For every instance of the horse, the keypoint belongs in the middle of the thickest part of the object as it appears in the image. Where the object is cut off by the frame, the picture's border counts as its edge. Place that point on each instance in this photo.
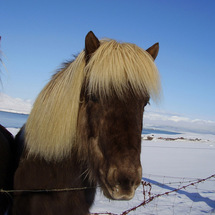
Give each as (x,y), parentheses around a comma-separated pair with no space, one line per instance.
(6,165)
(84,130)
(6,168)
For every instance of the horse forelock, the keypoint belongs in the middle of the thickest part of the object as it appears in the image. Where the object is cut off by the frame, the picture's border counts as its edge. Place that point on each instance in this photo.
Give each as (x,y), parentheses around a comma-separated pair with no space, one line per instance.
(114,68)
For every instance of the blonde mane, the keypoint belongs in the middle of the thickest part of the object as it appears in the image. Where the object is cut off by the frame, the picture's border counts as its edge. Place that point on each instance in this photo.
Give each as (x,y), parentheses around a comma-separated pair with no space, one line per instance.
(114,67)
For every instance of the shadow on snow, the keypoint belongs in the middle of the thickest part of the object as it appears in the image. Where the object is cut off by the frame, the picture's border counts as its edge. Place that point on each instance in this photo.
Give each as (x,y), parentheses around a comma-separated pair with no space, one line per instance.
(195,197)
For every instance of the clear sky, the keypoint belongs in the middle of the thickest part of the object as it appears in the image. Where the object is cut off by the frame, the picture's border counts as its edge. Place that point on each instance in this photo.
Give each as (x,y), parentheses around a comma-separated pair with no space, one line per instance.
(39,35)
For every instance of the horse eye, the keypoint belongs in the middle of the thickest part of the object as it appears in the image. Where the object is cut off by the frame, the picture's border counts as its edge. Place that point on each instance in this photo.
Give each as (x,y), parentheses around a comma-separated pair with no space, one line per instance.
(146,103)
(93,98)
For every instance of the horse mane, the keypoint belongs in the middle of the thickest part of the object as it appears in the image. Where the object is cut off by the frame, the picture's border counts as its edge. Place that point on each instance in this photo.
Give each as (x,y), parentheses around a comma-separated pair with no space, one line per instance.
(114,68)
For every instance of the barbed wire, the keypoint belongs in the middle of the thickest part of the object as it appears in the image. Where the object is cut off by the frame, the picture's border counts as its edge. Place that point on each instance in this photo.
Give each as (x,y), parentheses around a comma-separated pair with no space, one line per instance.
(46,190)
(155,196)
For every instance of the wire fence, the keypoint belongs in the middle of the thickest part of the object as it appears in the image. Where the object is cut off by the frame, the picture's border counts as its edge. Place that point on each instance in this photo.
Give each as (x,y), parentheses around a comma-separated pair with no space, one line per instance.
(165,195)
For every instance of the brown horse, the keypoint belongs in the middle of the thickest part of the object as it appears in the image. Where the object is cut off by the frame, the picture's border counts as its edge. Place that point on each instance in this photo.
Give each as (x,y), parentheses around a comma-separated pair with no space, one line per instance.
(6,167)
(85,128)
(6,164)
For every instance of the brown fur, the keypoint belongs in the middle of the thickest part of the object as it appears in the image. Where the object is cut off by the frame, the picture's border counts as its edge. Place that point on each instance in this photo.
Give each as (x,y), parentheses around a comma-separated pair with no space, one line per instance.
(107,142)
(6,167)
(42,175)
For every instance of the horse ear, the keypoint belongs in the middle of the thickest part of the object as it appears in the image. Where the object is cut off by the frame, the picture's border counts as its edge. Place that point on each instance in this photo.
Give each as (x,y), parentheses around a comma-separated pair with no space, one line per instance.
(91,44)
(153,50)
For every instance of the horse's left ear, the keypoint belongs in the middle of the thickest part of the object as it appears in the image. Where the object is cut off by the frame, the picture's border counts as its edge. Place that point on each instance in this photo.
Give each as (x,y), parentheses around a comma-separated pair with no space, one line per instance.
(153,50)
(91,44)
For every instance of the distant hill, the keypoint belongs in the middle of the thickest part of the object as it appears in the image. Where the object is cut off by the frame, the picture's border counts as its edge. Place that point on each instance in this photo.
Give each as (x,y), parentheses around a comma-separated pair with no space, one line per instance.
(15,105)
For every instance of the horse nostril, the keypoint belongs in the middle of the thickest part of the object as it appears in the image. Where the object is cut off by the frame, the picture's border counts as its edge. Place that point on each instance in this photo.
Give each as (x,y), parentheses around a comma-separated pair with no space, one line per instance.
(123,178)
(125,183)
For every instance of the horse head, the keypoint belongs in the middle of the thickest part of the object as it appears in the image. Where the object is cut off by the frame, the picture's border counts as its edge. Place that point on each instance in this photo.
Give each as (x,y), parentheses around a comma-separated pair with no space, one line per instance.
(110,127)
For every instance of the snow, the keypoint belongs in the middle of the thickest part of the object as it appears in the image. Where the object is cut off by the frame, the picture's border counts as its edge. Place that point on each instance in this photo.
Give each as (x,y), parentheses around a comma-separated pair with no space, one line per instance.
(13,131)
(169,161)
(180,157)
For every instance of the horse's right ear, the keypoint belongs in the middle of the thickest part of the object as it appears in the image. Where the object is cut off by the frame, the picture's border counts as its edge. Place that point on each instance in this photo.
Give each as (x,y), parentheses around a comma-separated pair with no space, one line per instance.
(91,44)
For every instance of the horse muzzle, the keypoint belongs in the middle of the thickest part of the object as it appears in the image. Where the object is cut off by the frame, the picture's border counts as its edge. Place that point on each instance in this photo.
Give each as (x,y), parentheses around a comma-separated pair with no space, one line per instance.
(120,184)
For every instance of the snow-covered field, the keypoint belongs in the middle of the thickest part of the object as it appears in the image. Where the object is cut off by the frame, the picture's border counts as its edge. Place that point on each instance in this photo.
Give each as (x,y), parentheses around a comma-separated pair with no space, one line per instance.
(170,162)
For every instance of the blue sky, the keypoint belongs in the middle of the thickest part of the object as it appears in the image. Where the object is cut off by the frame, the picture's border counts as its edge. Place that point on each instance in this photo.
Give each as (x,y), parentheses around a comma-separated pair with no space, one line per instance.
(39,35)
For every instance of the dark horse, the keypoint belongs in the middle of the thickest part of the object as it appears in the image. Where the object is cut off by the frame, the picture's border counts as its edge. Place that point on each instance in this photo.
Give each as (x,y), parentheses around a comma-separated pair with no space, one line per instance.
(85,128)
(6,168)
(6,165)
